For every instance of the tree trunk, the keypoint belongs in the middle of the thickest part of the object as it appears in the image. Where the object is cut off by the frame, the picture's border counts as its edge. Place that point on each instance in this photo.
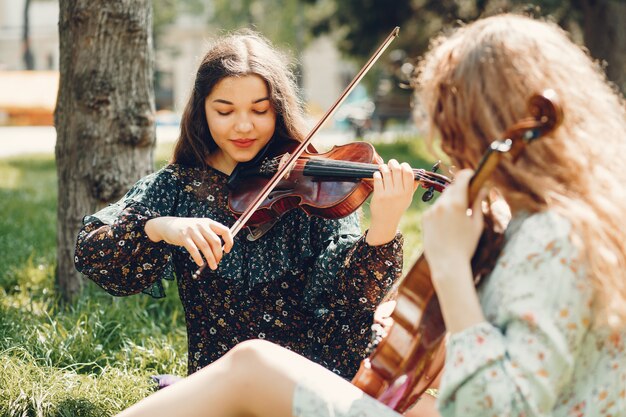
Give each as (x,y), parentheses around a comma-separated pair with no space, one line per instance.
(104,116)
(605,36)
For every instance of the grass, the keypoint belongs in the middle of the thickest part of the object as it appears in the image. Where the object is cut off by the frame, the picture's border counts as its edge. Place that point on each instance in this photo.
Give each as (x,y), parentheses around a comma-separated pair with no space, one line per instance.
(93,358)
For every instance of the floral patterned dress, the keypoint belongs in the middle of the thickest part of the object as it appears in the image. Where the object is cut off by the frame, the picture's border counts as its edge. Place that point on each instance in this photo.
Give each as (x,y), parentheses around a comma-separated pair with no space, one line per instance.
(309,284)
(541,351)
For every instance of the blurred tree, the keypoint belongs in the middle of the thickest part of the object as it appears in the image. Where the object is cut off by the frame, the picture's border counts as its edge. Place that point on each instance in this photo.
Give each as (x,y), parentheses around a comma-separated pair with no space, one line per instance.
(284,22)
(359,24)
(281,21)
(604,29)
(104,115)
(165,13)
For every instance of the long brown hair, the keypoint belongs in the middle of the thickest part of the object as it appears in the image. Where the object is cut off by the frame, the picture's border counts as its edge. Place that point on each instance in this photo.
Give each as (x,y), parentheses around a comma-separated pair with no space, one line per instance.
(242,53)
(475,84)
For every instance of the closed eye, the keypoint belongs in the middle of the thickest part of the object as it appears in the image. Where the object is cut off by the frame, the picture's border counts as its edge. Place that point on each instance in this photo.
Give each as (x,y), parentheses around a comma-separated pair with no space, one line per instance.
(259,111)
(224,113)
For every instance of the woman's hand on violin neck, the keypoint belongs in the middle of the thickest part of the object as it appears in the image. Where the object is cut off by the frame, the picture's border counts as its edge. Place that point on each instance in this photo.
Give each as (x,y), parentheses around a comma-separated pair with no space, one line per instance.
(394,186)
(451,231)
(451,234)
(200,236)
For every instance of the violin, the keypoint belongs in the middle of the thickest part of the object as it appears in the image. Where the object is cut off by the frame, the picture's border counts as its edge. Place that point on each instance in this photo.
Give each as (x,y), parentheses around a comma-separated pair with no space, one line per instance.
(330,185)
(411,354)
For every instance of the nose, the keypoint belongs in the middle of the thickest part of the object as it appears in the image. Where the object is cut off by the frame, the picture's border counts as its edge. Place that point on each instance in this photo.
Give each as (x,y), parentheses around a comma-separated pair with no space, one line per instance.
(243,124)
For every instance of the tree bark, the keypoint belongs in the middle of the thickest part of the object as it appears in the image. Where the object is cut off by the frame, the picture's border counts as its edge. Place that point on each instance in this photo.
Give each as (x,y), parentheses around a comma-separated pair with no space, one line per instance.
(605,35)
(104,116)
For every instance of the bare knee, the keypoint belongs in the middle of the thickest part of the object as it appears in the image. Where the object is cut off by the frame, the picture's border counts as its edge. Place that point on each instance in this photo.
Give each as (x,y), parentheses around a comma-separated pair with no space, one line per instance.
(242,363)
(251,355)
(255,369)
(244,369)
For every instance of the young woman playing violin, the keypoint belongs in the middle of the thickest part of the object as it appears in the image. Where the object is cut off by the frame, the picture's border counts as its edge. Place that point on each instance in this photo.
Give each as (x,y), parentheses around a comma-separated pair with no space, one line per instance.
(308,284)
(545,332)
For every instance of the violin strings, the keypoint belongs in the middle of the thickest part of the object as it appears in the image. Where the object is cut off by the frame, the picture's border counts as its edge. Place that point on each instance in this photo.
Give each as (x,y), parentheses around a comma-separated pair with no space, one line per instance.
(316,167)
(352,170)
(320,167)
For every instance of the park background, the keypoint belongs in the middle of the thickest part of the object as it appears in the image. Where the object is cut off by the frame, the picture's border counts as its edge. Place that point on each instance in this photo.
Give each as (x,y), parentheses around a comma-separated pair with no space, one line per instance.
(66,347)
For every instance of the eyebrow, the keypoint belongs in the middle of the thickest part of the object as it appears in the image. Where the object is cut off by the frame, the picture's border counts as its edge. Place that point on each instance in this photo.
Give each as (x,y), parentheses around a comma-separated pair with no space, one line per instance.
(219,100)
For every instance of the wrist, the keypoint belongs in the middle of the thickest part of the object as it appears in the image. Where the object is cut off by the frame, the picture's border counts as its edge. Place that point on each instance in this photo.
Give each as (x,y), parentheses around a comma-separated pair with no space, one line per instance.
(448,266)
(457,296)
(377,236)
(152,229)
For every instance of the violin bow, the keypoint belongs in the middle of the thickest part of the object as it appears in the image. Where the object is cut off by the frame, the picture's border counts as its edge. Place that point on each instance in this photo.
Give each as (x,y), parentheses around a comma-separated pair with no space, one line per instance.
(288,163)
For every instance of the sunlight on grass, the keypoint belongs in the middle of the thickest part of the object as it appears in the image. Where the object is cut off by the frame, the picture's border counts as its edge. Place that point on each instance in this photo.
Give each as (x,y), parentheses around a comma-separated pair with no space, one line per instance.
(90,359)
(10,177)
(33,390)
(28,221)
(27,284)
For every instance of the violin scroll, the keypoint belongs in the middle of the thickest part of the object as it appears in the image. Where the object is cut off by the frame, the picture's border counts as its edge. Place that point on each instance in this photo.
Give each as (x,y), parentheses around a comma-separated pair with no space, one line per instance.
(546,115)
(546,109)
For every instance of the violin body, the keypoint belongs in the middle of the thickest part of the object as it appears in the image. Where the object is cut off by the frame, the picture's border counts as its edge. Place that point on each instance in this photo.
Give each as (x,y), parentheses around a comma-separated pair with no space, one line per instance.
(328,197)
(411,355)
(329,185)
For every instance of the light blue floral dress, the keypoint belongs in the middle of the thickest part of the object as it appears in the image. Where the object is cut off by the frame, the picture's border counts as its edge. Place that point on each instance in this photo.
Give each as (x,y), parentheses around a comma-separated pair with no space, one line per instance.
(540,353)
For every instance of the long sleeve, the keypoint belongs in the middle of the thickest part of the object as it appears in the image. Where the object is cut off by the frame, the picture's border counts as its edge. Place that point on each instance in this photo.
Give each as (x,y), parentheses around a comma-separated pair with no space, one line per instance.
(113,249)
(348,273)
(120,257)
(537,302)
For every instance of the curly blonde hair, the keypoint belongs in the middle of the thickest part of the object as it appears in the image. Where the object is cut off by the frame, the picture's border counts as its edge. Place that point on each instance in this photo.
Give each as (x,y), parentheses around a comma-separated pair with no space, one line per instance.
(475,83)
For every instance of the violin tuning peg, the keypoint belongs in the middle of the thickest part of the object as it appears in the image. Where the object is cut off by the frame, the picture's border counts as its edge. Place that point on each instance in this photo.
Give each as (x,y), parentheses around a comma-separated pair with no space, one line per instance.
(428,195)
(436,167)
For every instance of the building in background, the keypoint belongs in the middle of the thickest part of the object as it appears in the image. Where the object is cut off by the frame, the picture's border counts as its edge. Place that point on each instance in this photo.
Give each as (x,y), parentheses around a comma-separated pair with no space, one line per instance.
(43,34)
(28,97)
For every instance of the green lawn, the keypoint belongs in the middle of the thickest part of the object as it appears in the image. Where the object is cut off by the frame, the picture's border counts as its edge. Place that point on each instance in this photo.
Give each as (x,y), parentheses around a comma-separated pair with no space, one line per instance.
(93,358)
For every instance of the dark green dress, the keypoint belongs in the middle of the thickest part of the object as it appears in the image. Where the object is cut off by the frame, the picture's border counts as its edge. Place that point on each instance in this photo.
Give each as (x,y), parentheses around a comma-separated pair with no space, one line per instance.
(309,284)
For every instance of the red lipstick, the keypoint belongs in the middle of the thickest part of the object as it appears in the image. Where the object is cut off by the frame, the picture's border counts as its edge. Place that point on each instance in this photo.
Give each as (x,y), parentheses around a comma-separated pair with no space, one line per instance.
(243,143)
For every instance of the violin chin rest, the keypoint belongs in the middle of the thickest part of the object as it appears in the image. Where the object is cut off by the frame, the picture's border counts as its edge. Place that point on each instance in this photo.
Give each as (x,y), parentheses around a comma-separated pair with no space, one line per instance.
(255,232)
